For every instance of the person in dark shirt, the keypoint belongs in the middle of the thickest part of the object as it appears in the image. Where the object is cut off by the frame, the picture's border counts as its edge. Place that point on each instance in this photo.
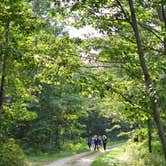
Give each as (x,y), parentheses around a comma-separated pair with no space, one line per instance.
(89,142)
(104,139)
(96,143)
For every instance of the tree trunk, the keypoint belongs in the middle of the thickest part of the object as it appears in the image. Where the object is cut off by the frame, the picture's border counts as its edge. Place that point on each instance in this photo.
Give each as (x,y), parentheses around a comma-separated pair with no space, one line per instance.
(149,136)
(162,17)
(4,61)
(148,81)
(164,20)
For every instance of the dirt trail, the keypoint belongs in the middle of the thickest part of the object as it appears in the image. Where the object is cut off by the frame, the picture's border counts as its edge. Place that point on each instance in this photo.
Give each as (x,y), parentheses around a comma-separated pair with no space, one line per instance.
(86,160)
(83,159)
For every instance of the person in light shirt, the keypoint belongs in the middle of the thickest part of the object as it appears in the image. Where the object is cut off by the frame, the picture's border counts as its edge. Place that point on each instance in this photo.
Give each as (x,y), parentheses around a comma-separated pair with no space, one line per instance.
(104,139)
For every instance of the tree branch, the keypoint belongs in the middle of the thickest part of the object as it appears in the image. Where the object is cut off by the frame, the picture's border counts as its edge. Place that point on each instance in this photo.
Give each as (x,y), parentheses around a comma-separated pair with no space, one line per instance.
(123,11)
(150,30)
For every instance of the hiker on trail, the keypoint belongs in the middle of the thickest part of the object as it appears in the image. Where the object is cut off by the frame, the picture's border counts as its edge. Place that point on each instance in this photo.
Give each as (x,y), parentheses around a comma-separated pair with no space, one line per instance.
(92,143)
(96,142)
(89,142)
(100,141)
(104,139)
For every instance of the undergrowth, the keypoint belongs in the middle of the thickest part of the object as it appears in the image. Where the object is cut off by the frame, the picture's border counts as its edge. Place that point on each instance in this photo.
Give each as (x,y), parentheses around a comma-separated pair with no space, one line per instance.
(133,153)
(139,155)
(68,149)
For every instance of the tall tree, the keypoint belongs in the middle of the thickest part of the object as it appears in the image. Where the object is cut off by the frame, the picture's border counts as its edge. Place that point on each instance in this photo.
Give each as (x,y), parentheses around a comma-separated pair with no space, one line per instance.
(148,81)
(16,23)
(120,17)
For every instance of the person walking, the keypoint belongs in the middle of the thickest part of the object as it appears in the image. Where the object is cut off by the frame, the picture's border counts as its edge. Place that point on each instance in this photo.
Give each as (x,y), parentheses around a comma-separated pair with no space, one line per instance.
(89,143)
(96,143)
(100,141)
(104,139)
(92,143)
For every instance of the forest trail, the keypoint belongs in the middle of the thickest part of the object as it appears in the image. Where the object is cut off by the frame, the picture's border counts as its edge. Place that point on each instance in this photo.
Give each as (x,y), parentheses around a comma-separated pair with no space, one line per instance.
(83,159)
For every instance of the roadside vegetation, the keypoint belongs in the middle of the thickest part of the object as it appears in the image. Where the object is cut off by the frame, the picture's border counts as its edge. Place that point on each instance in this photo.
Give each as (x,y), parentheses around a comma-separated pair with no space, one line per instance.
(56,89)
(132,153)
(68,149)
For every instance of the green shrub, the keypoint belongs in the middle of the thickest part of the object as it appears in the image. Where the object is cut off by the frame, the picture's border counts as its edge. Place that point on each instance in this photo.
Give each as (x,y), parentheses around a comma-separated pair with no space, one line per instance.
(68,146)
(138,154)
(77,147)
(11,154)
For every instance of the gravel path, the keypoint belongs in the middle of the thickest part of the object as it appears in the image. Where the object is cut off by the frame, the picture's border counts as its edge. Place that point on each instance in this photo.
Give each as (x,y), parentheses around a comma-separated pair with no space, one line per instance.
(86,160)
(83,159)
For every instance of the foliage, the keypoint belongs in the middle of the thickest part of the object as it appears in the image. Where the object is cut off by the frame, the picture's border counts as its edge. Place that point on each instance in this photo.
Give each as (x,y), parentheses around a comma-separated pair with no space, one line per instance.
(54,88)
(138,154)
(129,30)
(40,77)
(115,157)
(11,154)
(44,158)
(75,147)
(132,154)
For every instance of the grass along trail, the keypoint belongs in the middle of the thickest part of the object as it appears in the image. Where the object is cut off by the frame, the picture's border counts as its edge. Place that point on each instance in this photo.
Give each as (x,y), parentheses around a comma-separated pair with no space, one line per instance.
(115,157)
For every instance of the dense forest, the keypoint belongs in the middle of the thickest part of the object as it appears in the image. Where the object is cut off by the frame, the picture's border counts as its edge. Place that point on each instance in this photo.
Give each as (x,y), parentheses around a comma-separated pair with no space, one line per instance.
(55,88)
